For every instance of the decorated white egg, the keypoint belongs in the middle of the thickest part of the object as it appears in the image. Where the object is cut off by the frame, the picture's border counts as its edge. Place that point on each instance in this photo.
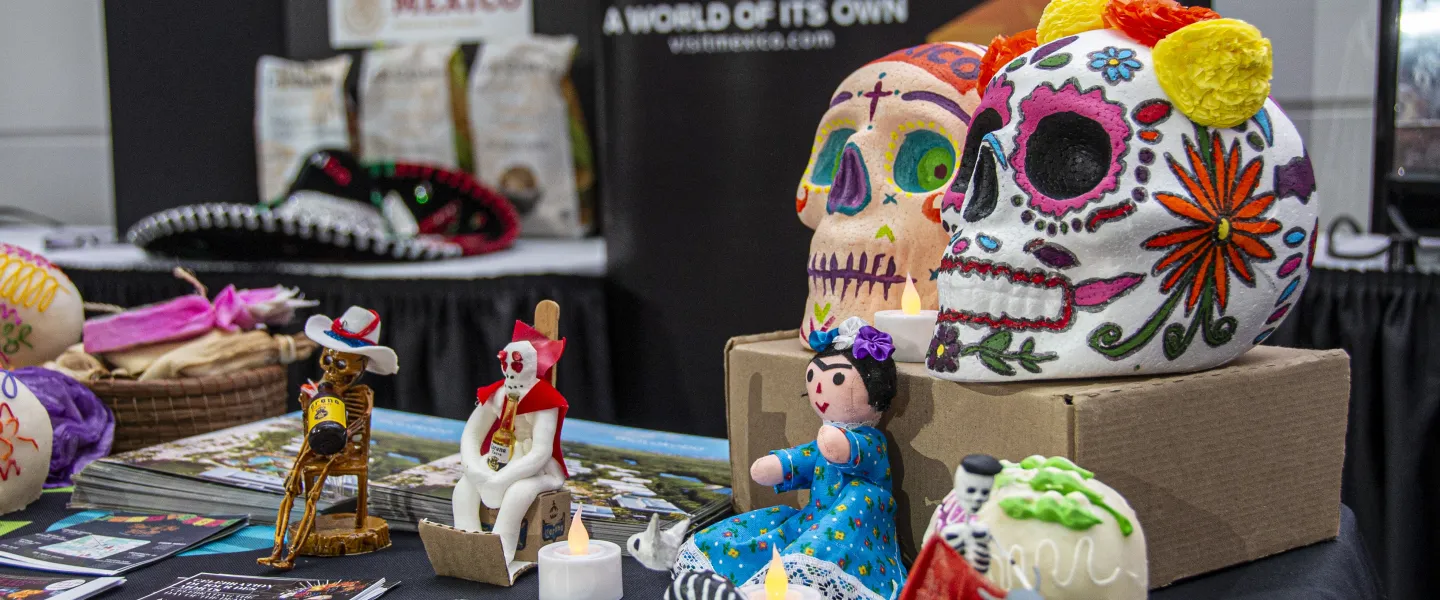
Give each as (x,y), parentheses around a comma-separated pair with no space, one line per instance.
(25,442)
(41,312)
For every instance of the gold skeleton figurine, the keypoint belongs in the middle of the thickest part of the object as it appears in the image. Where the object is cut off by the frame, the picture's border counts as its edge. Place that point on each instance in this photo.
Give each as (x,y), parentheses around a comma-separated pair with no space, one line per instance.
(344,533)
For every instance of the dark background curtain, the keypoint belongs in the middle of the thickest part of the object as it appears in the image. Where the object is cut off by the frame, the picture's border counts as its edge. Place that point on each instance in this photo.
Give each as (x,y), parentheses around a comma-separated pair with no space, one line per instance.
(445,332)
(1390,325)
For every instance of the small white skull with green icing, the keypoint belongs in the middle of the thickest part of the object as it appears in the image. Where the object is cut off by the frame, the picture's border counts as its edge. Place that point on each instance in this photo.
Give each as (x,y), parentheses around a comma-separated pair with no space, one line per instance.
(1082,536)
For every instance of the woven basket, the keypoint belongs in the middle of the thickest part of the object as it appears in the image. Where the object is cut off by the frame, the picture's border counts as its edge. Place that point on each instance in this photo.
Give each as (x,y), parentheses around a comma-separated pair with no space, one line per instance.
(154,412)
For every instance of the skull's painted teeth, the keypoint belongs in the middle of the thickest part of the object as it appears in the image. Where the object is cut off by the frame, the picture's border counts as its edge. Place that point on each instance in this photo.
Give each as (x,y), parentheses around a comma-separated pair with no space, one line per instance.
(826,273)
(1000,296)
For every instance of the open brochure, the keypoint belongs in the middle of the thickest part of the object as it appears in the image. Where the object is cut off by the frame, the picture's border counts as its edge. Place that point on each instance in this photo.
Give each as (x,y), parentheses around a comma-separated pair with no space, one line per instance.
(42,587)
(115,543)
(213,586)
(618,475)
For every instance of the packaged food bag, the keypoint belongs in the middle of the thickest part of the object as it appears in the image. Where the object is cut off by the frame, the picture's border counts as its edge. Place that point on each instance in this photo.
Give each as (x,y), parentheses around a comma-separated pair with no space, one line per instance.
(299,108)
(521,131)
(406,106)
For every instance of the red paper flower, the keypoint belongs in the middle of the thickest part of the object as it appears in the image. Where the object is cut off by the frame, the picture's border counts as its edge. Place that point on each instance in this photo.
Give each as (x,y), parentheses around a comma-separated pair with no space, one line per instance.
(1002,50)
(1149,21)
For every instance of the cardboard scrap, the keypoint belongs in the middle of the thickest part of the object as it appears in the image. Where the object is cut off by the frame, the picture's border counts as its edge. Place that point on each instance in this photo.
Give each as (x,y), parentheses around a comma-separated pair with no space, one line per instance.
(478,556)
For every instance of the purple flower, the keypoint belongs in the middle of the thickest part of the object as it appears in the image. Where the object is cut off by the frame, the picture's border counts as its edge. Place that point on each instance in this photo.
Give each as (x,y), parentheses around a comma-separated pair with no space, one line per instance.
(874,343)
(944,349)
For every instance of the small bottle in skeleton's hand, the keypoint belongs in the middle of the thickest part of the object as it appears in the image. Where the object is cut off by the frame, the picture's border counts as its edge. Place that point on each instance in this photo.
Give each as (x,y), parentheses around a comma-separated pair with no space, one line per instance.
(502,444)
(326,417)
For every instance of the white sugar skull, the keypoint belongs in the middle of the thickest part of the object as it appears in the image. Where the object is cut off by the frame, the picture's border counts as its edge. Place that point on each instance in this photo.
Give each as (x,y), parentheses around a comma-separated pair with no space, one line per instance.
(1098,231)
(25,443)
(518,362)
(883,154)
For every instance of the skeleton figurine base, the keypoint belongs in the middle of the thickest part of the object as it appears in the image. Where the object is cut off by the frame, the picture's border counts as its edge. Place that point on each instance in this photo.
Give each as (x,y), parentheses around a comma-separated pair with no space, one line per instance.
(337,442)
(512,460)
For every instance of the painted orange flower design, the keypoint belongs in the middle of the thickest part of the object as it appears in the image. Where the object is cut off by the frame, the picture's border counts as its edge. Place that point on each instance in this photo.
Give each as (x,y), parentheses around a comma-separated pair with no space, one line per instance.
(1227,224)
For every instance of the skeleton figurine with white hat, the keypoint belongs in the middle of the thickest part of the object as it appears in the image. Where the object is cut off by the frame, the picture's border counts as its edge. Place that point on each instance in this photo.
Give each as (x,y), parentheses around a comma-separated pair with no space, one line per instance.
(337,441)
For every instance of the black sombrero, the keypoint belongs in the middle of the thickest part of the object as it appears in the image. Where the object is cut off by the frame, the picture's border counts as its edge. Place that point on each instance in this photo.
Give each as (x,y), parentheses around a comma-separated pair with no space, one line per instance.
(334,211)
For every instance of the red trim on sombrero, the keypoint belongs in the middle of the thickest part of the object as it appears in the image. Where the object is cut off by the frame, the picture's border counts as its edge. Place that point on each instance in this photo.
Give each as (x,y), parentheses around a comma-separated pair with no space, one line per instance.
(337,327)
(465,183)
(957,66)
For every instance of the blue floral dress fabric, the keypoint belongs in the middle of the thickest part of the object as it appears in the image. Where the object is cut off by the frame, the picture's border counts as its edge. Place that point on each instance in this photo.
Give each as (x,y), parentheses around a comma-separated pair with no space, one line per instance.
(849,522)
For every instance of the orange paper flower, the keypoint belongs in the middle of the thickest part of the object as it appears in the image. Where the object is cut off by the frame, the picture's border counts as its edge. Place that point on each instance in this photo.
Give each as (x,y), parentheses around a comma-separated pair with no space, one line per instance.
(1149,21)
(1002,50)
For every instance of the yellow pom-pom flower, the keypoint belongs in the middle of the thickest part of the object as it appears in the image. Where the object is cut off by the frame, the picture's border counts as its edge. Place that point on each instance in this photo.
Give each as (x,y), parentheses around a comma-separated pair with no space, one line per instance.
(1216,72)
(1069,17)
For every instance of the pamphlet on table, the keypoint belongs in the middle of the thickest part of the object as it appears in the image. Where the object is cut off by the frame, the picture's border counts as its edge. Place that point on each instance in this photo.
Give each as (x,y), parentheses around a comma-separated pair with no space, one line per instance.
(115,543)
(213,586)
(42,587)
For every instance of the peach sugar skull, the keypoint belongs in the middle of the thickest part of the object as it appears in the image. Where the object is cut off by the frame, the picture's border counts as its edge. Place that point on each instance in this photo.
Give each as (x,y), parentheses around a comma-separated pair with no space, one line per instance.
(1122,208)
(883,154)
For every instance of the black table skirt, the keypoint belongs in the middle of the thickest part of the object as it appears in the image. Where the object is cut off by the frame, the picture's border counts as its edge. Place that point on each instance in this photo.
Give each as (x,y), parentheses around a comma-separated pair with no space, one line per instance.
(1390,325)
(445,331)
(1329,570)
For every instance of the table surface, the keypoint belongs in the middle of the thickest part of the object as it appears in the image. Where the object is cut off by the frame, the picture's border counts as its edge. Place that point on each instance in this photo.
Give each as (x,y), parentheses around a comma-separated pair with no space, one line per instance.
(585,257)
(1336,569)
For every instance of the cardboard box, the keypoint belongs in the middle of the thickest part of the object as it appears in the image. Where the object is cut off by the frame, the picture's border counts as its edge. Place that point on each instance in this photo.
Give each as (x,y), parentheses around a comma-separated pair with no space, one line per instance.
(1222,466)
(479,557)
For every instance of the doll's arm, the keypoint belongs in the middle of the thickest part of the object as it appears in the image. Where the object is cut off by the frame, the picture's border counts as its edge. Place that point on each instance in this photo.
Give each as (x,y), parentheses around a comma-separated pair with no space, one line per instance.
(862,453)
(797,466)
(476,428)
(541,449)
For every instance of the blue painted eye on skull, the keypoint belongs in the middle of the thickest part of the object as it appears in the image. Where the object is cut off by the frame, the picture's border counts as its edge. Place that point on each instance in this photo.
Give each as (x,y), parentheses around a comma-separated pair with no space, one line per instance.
(827,162)
(924,162)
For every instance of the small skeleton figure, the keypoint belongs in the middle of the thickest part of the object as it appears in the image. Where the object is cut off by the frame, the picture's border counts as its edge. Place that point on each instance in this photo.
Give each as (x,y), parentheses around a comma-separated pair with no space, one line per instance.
(954,519)
(337,441)
(511,444)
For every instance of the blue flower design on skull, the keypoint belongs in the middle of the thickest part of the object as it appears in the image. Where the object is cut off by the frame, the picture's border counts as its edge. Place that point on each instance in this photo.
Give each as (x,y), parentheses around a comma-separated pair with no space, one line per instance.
(1116,64)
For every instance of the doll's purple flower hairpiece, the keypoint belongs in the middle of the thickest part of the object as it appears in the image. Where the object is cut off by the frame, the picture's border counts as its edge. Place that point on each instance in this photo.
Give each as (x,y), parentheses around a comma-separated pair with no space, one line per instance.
(873,343)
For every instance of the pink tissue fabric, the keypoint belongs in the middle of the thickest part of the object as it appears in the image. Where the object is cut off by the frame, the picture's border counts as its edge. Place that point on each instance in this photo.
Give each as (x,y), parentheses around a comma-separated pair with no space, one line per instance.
(180,319)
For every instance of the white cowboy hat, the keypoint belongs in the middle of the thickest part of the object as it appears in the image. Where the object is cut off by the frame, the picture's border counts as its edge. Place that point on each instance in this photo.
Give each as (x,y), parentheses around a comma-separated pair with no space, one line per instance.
(356,332)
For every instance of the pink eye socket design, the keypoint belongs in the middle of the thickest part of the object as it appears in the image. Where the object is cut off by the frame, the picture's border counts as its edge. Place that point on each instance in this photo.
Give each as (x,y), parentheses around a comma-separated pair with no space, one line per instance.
(1069,147)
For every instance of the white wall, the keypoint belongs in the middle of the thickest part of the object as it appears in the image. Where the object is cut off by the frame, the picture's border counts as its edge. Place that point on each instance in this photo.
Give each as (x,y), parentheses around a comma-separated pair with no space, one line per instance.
(54,113)
(1325,57)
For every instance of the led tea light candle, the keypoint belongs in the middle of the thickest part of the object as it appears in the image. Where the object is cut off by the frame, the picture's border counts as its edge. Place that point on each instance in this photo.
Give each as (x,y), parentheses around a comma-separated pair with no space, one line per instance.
(776,587)
(580,568)
(910,327)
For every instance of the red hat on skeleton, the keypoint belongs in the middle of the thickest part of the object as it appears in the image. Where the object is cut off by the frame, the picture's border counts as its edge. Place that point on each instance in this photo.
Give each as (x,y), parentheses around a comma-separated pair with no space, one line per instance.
(547,351)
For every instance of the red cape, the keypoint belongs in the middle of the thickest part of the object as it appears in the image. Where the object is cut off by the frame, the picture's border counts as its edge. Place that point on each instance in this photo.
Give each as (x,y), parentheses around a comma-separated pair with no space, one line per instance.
(541,397)
(940,573)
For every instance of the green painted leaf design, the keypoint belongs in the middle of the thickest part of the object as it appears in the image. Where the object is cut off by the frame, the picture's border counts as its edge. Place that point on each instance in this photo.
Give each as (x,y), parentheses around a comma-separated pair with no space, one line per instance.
(998,341)
(1029,366)
(1054,61)
(1015,64)
(1027,346)
(996,365)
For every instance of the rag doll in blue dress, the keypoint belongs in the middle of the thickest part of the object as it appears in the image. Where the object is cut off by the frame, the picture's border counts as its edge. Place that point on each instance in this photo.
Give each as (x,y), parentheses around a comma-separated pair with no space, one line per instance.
(842,542)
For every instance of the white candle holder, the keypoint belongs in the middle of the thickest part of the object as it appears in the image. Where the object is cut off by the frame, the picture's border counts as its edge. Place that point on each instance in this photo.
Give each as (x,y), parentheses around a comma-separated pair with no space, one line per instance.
(911,333)
(595,575)
(756,591)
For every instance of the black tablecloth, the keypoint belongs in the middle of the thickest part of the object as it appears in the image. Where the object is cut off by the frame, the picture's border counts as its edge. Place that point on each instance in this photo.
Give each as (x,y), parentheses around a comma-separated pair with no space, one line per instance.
(445,331)
(1338,569)
(1390,325)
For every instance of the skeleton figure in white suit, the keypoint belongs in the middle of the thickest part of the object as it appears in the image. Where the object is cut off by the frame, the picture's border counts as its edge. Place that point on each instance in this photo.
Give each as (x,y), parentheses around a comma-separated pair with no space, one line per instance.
(511,445)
